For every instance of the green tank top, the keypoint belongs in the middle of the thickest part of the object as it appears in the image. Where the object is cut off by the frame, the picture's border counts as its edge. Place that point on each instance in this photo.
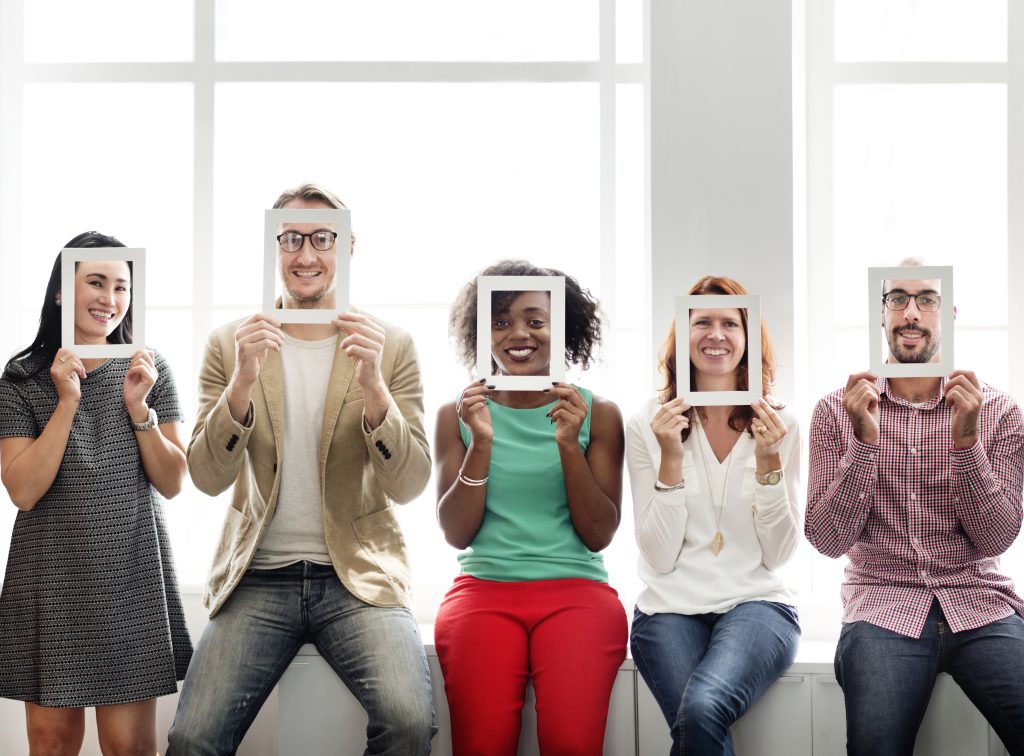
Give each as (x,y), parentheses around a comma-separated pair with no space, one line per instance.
(526,533)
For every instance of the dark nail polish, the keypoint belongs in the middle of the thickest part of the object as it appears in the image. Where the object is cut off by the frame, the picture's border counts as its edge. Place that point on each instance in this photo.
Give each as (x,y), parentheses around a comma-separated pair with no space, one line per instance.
(545,391)
(490,385)
(482,380)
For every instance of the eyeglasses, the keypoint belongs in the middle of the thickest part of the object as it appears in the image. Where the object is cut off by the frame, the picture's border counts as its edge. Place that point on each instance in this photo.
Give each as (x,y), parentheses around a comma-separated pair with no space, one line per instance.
(322,241)
(898,300)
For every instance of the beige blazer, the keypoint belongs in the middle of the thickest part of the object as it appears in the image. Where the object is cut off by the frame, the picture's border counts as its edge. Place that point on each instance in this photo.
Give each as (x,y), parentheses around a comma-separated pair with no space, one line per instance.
(361,474)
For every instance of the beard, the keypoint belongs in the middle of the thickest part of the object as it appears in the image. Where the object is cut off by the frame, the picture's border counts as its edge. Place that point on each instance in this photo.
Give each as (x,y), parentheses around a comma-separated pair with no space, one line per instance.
(307,301)
(923,353)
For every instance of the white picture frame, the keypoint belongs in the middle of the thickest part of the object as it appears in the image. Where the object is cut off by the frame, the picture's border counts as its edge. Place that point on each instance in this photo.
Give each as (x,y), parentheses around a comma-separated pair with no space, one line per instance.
(69,256)
(485,286)
(341,219)
(879,345)
(752,304)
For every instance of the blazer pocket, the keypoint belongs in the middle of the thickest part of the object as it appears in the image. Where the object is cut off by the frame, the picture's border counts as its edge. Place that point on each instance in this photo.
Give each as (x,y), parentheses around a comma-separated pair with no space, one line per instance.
(232,536)
(380,536)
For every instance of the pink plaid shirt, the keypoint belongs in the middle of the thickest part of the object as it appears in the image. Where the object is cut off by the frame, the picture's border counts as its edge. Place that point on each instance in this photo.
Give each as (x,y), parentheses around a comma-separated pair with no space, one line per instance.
(918,519)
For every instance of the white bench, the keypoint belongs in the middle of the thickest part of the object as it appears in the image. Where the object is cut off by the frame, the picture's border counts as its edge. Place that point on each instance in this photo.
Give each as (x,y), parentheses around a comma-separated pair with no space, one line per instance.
(800,715)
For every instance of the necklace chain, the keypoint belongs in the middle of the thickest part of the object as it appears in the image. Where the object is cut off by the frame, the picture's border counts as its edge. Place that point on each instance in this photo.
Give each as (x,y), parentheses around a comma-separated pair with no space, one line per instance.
(718,542)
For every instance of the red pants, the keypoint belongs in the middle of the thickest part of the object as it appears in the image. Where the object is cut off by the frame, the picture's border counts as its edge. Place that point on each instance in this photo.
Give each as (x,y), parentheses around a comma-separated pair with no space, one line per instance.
(568,636)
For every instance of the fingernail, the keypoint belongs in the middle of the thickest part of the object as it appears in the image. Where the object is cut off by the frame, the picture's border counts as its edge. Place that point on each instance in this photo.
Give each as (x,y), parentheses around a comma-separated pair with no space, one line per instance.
(554,383)
(490,385)
(545,391)
(482,380)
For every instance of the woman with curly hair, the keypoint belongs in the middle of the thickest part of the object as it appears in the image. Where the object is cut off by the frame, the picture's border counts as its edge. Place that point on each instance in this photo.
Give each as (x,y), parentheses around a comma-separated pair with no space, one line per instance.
(714,497)
(529,486)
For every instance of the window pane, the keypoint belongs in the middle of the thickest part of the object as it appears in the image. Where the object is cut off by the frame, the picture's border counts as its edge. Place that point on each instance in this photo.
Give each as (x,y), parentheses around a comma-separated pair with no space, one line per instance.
(58,31)
(442,179)
(911,30)
(399,30)
(629,31)
(631,268)
(115,158)
(921,170)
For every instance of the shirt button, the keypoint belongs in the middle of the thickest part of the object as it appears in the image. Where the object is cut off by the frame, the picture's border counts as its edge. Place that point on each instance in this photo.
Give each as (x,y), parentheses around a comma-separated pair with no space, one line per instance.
(862,495)
(924,574)
(913,497)
(913,450)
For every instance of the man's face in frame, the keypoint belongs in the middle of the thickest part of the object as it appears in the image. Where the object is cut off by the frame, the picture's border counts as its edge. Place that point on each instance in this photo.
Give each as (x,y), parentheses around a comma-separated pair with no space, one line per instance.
(912,319)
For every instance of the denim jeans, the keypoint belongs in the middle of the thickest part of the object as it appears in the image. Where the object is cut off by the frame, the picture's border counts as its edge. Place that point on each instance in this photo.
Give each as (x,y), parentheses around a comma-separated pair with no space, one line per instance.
(887,679)
(706,670)
(246,647)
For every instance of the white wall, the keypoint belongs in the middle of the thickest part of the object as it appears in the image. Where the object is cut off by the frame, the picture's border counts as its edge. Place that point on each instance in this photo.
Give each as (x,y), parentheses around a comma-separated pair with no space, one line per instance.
(721,175)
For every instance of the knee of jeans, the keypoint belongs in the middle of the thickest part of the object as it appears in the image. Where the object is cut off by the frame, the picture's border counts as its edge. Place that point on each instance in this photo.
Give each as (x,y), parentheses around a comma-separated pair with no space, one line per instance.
(705,702)
(409,721)
(192,738)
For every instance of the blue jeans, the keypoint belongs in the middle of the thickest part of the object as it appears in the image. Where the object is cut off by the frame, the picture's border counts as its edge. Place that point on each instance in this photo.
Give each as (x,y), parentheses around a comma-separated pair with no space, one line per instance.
(887,679)
(706,670)
(246,647)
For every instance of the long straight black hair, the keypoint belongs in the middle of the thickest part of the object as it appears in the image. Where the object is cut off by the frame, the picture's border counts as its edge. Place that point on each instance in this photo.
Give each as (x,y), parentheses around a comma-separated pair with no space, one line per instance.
(39,354)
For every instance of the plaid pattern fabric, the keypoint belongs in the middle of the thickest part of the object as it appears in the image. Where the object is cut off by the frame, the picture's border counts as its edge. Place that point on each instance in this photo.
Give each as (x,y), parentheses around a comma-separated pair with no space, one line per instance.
(917,518)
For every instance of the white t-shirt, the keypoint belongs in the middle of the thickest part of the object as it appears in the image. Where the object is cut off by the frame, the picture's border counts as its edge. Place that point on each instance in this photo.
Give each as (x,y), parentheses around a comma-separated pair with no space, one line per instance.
(761,525)
(296,532)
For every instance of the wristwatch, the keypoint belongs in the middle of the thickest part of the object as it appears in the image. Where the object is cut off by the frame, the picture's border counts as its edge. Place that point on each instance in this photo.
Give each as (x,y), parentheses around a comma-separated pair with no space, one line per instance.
(149,424)
(769,478)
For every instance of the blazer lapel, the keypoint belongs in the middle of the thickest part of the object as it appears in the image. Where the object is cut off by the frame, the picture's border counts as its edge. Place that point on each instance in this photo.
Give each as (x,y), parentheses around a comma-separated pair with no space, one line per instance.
(342,370)
(273,394)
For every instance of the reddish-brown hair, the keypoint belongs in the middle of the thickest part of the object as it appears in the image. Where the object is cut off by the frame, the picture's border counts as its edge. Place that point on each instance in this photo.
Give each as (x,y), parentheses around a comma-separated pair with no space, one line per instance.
(741,416)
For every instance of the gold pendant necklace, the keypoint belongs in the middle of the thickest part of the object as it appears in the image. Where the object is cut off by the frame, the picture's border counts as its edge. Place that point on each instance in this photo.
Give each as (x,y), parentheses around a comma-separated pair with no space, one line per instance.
(718,542)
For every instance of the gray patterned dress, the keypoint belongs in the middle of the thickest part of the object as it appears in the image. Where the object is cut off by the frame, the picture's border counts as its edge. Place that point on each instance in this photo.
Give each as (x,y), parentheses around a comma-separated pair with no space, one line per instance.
(89,612)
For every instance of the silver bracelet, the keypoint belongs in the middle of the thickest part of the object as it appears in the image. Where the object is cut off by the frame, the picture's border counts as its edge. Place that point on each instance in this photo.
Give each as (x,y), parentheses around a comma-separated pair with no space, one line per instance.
(471,481)
(662,488)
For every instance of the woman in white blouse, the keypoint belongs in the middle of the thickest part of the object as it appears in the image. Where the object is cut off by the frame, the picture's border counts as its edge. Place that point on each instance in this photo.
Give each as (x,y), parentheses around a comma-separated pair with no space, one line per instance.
(714,497)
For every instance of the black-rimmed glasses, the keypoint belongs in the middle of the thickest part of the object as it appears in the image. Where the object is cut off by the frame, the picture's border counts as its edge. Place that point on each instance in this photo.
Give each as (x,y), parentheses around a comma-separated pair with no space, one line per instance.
(322,241)
(899,300)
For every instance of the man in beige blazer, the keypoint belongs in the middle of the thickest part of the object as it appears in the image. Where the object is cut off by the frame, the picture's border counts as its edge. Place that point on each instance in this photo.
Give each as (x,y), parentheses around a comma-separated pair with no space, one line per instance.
(320,429)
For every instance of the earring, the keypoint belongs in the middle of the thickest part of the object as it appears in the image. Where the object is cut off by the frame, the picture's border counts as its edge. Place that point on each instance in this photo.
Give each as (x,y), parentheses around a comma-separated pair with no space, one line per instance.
(58,301)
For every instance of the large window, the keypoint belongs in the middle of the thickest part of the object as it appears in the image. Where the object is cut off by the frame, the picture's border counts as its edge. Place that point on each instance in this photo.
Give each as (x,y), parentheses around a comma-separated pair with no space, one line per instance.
(458,132)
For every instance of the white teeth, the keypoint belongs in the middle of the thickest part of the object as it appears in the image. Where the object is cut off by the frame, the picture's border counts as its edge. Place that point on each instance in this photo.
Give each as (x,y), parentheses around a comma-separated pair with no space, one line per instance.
(101,314)
(520,352)
(307,274)
(716,352)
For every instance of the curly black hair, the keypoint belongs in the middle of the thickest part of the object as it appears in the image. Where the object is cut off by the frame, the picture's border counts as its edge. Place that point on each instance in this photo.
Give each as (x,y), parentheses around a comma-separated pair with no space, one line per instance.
(582,314)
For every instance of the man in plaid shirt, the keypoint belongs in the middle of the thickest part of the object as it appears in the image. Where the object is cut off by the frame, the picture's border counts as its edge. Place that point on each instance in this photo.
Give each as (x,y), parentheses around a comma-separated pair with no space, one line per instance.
(918,481)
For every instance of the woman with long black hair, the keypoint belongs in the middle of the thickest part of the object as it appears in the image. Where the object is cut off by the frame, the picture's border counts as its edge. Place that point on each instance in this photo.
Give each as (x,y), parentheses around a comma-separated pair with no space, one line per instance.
(90,613)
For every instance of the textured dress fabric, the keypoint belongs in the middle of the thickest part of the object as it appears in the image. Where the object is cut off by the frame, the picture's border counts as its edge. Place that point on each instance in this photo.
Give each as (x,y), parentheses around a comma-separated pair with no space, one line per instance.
(90,613)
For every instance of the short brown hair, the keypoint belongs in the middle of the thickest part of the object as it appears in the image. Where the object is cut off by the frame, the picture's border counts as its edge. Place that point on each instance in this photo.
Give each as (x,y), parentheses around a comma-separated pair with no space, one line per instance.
(310,193)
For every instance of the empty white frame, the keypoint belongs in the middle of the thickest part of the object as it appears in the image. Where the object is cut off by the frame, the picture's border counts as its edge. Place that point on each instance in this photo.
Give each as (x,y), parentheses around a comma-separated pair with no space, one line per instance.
(485,287)
(880,349)
(69,256)
(749,302)
(339,221)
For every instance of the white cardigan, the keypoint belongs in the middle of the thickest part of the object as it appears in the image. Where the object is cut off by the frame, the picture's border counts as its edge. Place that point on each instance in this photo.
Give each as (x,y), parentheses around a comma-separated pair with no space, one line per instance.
(674,529)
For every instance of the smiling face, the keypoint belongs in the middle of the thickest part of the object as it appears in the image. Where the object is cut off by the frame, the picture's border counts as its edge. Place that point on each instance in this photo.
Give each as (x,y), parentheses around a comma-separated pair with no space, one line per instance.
(309,276)
(102,297)
(913,334)
(521,335)
(718,342)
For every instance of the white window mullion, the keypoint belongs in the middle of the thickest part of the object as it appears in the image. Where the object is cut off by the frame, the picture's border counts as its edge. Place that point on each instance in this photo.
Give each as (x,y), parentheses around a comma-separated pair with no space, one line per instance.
(202,176)
(1015,192)
(820,65)
(12,58)
(607,157)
